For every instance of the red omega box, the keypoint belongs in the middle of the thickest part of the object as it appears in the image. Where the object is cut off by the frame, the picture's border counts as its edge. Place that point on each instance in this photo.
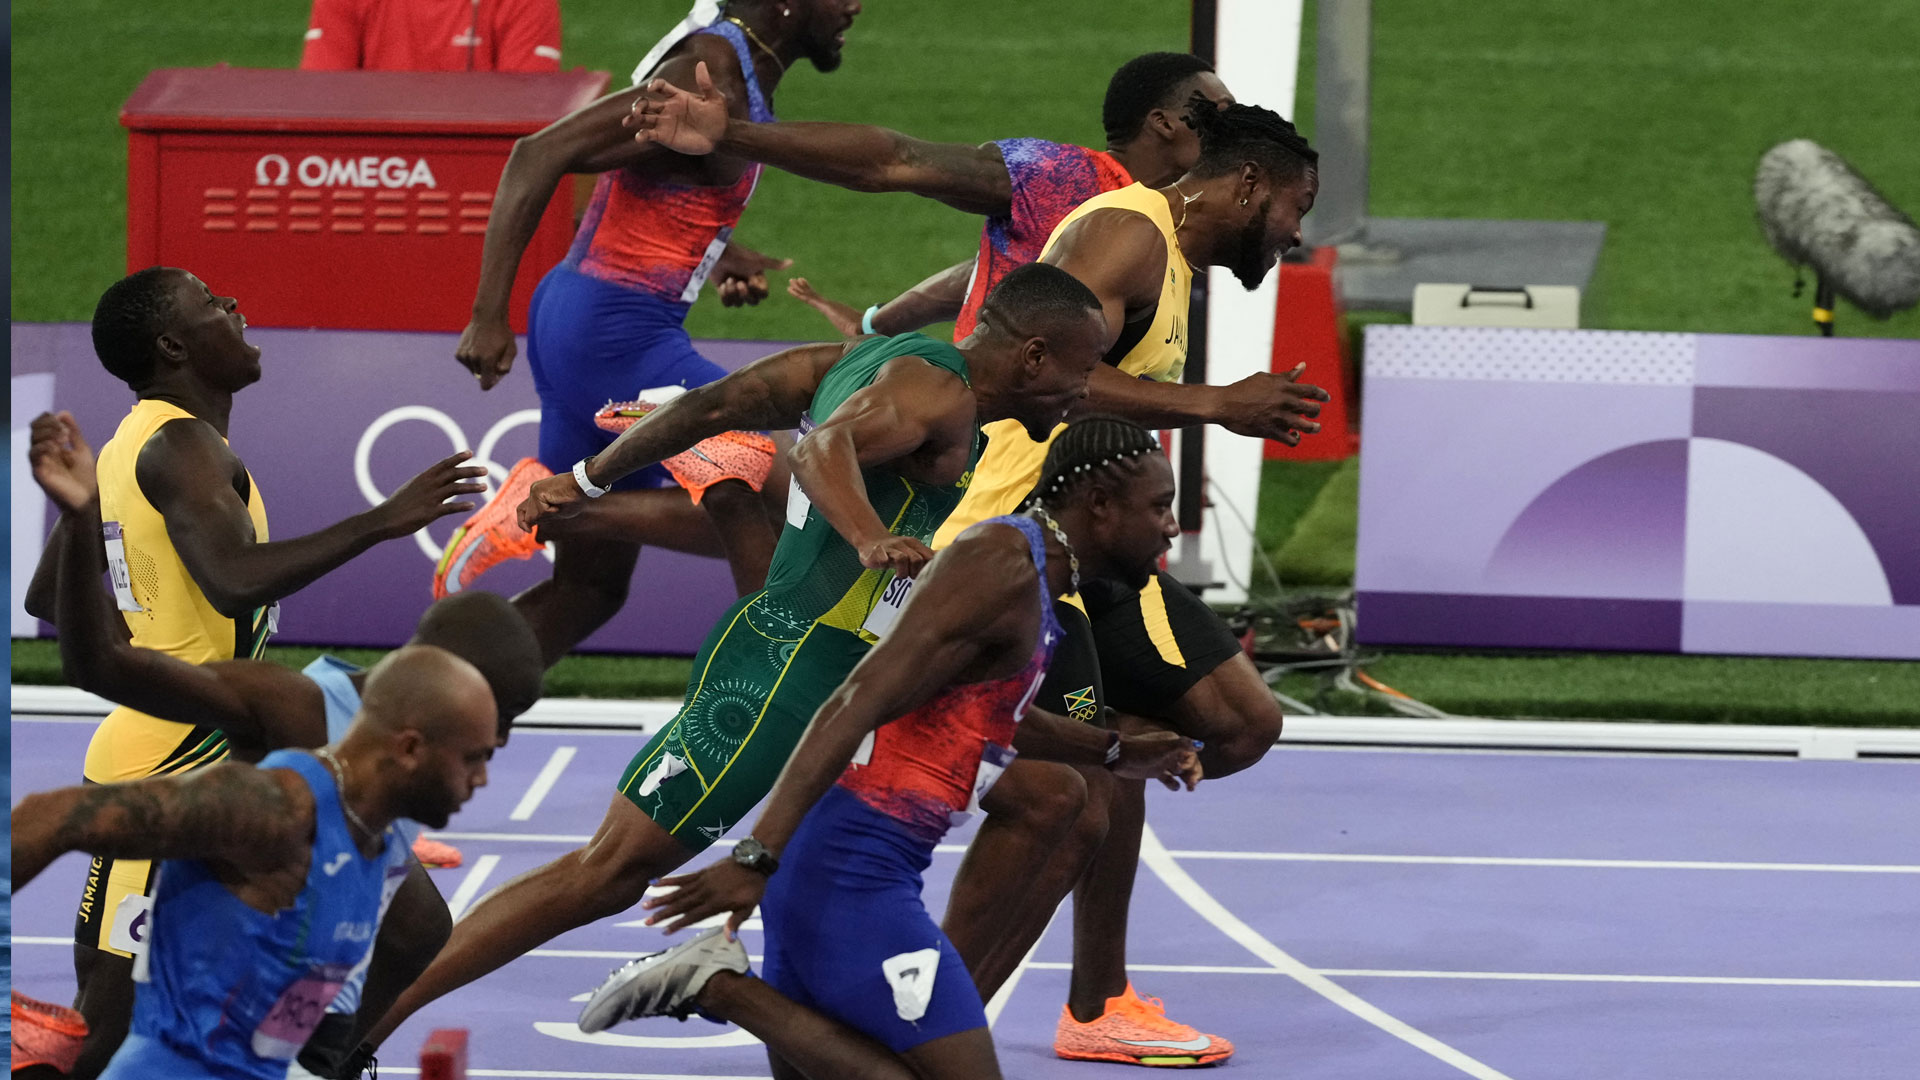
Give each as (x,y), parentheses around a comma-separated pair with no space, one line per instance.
(350,200)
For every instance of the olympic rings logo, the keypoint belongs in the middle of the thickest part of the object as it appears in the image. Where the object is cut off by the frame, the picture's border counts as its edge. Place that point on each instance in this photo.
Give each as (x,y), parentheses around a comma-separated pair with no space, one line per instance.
(482,456)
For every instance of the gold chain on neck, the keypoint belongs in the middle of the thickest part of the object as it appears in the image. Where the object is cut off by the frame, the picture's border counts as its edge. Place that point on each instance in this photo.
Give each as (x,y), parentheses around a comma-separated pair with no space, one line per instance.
(1185,201)
(755,38)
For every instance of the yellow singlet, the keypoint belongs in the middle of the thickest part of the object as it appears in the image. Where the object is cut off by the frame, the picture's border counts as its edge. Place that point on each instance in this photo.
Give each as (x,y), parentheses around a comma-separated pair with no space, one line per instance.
(166,611)
(1011,465)
(163,607)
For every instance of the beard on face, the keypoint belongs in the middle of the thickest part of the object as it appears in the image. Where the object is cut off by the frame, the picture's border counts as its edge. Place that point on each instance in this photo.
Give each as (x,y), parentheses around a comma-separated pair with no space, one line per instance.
(1249,263)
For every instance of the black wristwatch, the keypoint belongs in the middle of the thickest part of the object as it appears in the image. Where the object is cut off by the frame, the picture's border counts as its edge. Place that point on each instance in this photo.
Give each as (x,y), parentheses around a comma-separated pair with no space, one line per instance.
(754,855)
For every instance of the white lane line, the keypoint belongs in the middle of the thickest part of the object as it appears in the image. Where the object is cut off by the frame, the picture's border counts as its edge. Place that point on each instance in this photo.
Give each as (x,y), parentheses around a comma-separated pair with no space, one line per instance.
(1512,976)
(549,776)
(545,1074)
(1154,856)
(1595,864)
(1332,857)
(590,954)
(469,889)
(1700,980)
(1005,992)
(550,1075)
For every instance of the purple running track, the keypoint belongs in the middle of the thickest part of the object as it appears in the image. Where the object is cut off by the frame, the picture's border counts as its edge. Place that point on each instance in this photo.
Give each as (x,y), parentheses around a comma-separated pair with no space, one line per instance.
(1534,916)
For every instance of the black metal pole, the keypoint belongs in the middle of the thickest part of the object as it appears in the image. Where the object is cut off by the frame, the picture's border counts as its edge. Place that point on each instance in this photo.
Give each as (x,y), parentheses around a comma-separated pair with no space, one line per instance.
(1823,306)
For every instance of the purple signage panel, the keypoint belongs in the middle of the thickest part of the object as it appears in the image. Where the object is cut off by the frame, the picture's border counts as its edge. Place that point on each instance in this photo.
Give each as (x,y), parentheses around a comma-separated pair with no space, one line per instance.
(340,419)
(1581,489)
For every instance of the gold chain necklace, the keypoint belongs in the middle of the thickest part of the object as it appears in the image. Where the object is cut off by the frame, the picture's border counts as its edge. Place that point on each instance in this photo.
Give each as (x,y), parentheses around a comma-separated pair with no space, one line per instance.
(755,38)
(339,770)
(1185,201)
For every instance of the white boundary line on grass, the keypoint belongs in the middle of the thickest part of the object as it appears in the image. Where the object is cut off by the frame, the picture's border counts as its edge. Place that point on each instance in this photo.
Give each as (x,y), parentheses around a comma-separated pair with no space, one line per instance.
(1154,856)
(647,716)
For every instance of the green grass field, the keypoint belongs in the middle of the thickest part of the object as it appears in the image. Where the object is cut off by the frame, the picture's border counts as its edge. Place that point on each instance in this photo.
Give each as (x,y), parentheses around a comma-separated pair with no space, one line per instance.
(1649,116)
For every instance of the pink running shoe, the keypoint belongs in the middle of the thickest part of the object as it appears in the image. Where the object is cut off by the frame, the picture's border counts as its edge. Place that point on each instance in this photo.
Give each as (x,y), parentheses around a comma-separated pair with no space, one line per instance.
(45,1034)
(492,535)
(746,456)
(435,854)
(1136,1031)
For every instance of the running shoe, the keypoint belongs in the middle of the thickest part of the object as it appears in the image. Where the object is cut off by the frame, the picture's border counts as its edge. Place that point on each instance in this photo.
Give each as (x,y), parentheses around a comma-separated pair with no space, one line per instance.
(46,1034)
(436,854)
(1136,1031)
(746,456)
(492,535)
(663,983)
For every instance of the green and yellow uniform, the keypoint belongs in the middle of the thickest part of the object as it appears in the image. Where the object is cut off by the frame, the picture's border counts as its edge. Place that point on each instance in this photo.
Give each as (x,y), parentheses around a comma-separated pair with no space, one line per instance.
(777,654)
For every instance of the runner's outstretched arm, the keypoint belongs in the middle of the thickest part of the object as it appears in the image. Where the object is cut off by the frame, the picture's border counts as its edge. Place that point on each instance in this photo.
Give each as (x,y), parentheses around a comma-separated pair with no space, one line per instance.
(861,157)
(937,299)
(969,617)
(246,699)
(772,392)
(236,814)
(589,140)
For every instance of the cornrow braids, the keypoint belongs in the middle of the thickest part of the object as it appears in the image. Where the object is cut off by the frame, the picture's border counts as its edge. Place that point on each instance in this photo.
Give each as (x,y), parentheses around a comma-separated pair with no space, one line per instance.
(1090,446)
(1241,133)
(1143,84)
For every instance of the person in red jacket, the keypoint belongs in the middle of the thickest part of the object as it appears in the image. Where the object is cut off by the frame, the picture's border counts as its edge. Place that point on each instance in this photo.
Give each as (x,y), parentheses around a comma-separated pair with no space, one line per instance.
(433,35)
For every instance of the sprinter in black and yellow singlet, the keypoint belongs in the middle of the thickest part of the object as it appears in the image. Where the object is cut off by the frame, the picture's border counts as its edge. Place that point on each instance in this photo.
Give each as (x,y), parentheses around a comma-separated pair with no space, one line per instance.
(891,436)
(193,573)
(1162,654)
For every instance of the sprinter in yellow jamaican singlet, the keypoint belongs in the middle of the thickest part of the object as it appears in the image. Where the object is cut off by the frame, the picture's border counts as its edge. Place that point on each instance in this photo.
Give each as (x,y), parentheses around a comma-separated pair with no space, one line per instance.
(193,573)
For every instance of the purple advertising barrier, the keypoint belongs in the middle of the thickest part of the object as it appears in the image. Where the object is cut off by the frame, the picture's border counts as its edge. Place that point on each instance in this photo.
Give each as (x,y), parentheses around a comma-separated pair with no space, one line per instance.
(341,418)
(1664,492)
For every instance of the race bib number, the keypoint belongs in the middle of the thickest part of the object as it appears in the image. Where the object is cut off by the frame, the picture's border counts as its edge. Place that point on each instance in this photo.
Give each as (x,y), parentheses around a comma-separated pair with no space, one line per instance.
(994,760)
(132,924)
(884,613)
(293,1018)
(797,505)
(117,567)
(692,292)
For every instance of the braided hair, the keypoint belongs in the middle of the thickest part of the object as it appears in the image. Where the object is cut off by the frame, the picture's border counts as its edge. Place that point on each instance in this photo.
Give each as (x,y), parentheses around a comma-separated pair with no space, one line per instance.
(129,319)
(1091,448)
(1240,133)
(1143,84)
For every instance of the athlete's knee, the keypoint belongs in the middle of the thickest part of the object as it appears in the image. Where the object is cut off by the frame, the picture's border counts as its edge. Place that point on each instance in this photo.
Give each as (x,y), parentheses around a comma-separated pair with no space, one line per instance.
(106,1002)
(1040,797)
(586,582)
(416,927)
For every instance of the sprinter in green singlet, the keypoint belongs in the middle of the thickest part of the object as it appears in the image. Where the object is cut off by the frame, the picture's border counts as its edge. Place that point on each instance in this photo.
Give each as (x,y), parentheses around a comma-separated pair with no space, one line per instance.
(890,434)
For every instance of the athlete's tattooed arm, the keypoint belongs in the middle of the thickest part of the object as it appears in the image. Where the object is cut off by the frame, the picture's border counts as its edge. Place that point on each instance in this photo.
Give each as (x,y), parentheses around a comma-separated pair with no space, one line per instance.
(770,393)
(247,818)
(860,157)
(972,616)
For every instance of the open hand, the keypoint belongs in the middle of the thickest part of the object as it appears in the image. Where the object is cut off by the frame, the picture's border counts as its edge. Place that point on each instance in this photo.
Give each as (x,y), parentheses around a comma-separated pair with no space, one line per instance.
(486,348)
(1268,405)
(62,461)
(725,886)
(686,122)
(422,500)
(845,317)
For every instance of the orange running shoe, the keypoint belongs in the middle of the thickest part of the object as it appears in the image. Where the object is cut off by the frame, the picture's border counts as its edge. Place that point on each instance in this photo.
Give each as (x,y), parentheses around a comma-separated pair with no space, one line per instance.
(45,1034)
(435,854)
(746,456)
(1136,1031)
(492,535)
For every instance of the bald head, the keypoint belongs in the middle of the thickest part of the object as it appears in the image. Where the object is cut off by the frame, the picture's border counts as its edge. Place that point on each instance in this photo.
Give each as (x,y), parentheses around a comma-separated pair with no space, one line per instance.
(485,630)
(427,689)
(426,730)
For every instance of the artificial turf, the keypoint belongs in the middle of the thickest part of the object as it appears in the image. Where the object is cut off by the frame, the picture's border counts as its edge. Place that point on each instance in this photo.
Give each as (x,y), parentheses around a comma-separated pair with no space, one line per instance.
(1645,114)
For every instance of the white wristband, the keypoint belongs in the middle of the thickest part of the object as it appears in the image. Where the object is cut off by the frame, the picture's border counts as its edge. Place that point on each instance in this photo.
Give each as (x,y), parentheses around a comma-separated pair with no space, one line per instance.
(866,321)
(586,485)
